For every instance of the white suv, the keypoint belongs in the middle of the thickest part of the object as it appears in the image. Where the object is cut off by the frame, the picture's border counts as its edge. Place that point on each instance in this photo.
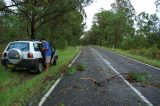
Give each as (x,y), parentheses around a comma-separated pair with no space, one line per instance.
(25,55)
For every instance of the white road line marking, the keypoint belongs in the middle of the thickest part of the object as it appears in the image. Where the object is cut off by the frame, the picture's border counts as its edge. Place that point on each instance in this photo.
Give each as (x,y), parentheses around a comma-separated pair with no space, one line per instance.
(130,85)
(107,62)
(48,93)
(55,84)
(74,59)
(136,61)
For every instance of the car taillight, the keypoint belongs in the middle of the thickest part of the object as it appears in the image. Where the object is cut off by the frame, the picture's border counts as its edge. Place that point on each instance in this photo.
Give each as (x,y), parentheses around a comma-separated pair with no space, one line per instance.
(4,54)
(30,55)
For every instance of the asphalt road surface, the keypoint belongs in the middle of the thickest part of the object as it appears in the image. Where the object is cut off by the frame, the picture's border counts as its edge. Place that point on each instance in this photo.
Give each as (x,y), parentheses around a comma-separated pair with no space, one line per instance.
(103,82)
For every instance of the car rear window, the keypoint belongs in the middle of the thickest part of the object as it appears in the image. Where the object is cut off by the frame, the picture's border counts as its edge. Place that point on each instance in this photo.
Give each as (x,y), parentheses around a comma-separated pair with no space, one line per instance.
(24,46)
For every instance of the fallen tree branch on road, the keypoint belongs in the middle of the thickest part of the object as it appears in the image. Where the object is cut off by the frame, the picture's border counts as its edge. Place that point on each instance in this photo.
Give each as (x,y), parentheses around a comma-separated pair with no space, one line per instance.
(93,80)
(102,83)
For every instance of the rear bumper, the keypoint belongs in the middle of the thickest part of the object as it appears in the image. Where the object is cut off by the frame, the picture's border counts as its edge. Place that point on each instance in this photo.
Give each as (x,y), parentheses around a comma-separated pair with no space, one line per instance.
(25,63)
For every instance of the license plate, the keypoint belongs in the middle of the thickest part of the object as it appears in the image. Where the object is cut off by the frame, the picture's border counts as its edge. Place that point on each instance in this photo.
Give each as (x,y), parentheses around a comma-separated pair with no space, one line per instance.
(10,65)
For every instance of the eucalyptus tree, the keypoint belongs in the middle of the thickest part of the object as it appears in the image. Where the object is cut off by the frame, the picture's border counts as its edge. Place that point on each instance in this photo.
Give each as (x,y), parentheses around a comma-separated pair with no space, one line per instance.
(124,9)
(157,5)
(124,6)
(108,28)
(147,23)
(68,29)
(37,13)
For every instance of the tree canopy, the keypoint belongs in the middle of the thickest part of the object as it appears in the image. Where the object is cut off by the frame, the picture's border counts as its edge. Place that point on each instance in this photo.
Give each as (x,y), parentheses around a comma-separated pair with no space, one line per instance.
(121,27)
(30,19)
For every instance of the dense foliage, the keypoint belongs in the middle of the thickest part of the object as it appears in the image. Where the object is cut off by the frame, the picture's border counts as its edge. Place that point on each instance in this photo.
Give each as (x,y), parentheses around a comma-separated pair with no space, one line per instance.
(121,27)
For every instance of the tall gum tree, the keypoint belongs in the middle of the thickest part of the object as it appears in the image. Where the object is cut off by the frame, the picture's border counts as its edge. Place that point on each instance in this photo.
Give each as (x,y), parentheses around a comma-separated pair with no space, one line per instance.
(40,12)
(123,7)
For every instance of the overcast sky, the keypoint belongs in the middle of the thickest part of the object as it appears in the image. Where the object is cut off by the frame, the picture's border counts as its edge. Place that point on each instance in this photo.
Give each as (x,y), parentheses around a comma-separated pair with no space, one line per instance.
(140,5)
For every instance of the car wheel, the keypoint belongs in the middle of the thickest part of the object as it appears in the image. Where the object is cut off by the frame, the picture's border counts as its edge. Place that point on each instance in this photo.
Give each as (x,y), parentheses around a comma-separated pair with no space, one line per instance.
(5,67)
(54,62)
(39,67)
(13,69)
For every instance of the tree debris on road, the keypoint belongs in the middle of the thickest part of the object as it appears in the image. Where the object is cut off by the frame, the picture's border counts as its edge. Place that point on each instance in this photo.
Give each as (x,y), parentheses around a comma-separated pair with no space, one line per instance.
(94,81)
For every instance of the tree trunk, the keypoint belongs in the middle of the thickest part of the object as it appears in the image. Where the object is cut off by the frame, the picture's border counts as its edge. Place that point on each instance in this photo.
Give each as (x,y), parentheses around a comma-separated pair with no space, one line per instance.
(116,38)
(117,35)
(32,26)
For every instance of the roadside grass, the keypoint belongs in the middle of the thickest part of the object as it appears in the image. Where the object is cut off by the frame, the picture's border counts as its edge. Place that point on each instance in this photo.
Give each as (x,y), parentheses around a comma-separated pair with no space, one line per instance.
(128,53)
(80,67)
(138,77)
(17,88)
(70,71)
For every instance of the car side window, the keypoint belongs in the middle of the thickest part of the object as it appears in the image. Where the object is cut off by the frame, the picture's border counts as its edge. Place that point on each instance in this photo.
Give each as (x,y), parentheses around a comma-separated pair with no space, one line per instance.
(36,48)
(40,46)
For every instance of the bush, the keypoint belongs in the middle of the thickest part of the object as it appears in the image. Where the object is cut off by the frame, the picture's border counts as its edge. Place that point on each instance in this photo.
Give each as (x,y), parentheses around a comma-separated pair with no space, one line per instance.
(141,41)
(138,41)
(138,77)
(60,43)
(127,43)
(153,53)
(154,39)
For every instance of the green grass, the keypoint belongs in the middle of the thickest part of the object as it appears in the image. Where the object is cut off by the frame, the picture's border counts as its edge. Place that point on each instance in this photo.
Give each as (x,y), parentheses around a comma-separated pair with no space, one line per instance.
(140,77)
(154,62)
(16,88)
(80,67)
(71,70)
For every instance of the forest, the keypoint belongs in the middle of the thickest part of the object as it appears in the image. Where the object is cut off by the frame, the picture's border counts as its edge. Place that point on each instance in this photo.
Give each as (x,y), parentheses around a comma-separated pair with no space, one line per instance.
(121,27)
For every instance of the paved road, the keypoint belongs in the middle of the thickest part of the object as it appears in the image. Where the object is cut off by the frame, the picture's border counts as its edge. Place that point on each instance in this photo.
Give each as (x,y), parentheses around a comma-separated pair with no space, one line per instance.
(76,90)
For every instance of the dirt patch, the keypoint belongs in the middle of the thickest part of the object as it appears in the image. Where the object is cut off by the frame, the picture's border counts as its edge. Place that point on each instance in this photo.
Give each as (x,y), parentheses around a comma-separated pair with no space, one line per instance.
(63,70)
(46,79)
(155,85)
(98,69)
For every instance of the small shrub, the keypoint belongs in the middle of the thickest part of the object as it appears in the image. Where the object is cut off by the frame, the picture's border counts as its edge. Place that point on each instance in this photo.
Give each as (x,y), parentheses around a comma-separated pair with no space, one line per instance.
(153,53)
(71,71)
(138,77)
(127,43)
(80,67)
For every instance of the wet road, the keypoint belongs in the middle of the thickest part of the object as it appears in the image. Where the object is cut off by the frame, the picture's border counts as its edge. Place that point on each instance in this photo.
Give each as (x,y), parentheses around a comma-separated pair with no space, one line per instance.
(79,89)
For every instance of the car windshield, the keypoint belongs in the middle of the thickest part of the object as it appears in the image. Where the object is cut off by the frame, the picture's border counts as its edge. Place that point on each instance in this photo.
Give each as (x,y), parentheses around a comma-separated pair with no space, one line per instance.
(24,46)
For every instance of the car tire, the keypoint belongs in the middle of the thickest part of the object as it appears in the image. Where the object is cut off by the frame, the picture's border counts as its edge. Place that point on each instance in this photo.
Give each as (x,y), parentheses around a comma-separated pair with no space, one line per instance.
(13,69)
(54,62)
(39,67)
(5,67)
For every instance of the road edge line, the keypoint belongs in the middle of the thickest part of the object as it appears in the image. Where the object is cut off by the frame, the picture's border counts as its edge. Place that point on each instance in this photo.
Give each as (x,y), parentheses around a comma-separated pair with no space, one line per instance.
(130,85)
(55,84)
(74,59)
